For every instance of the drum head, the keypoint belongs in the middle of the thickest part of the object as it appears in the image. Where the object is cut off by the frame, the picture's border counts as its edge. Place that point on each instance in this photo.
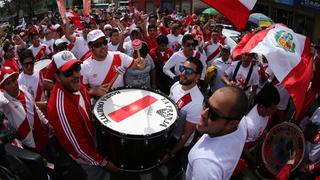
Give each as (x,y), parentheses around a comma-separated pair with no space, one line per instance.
(279,145)
(137,112)
(39,65)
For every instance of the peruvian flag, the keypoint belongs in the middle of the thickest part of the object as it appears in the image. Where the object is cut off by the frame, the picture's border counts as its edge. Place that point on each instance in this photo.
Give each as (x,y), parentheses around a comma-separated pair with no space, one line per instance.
(237,11)
(75,17)
(288,55)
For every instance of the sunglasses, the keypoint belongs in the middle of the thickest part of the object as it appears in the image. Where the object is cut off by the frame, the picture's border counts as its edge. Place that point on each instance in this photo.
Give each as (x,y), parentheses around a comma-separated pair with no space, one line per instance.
(213,113)
(99,44)
(31,63)
(69,72)
(188,71)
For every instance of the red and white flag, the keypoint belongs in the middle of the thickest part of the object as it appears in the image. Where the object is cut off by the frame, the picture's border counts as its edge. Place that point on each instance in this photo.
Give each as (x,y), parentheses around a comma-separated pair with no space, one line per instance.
(288,55)
(237,11)
(86,7)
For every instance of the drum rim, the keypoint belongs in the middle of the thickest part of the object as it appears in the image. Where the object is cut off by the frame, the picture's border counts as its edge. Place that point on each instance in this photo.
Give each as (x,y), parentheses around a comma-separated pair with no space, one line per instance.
(139,137)
(264,144)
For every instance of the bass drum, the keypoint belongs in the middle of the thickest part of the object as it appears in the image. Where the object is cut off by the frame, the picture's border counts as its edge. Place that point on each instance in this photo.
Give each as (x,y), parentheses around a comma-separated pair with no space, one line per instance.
(136,124)
(279,144)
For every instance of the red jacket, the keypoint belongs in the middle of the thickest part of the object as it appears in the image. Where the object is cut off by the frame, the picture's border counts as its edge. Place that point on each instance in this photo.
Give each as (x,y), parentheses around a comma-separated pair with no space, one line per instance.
(73,125)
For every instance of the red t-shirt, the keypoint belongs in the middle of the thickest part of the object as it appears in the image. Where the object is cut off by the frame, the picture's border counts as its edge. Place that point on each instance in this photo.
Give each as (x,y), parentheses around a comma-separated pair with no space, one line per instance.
(162,56)
(152,42)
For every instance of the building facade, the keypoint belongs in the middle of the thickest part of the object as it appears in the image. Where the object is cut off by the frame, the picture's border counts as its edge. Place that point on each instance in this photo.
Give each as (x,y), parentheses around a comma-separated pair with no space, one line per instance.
(303,16)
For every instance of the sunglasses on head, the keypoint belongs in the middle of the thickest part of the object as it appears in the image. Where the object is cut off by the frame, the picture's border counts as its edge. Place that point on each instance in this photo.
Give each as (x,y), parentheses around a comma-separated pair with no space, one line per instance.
(31,63)
(188,71)
(69,72)
(99,44)
(213,113)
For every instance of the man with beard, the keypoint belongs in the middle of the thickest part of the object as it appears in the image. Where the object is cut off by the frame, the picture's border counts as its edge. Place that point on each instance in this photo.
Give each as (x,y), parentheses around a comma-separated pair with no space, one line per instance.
(189,99)
(178,58)
(217,152)
(101,71)
(69,111)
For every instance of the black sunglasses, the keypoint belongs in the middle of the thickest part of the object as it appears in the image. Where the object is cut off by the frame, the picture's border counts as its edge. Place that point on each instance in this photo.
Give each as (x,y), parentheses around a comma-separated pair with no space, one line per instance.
(213,113)
(189,71)
(99,44)
(31,63)
(69,72)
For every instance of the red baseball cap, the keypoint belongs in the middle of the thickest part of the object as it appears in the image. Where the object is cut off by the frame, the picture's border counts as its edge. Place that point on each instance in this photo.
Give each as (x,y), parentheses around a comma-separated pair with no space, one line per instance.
(64,60)
(6,72)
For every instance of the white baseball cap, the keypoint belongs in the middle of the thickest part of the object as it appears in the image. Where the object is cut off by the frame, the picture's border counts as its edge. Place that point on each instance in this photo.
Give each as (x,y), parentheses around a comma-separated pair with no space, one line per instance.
(94,35)
(6,72)
(107,26)
(57,42)
(65,60)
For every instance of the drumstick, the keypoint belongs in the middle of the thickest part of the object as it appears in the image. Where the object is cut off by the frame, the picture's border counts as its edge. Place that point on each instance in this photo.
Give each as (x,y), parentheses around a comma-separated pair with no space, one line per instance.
(137,45)
(119,70)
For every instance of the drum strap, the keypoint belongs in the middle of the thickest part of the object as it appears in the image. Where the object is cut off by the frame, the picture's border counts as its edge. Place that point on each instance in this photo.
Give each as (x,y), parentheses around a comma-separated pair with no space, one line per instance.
(112,72)
(86,55)
(184,100)
(245,87)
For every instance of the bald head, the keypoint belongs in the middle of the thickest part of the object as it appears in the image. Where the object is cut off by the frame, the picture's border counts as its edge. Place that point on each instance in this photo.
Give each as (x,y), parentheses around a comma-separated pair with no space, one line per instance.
(233,100)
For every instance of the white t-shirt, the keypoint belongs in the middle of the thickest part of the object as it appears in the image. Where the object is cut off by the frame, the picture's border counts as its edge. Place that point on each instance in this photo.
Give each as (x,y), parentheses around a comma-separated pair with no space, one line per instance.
(256,124)
(190,112)
(80,47)
(216,158)
(128,49)
(242,75)
(177,59)
(49,43)
(94,72)
(174,41)
(112,47)
(32,83)
(45,51)
(221,66)
(210,50)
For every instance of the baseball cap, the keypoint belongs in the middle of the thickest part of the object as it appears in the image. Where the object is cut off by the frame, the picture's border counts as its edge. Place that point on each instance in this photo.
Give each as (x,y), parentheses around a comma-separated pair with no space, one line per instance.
(107,26)
(6,72)
(65,60)
(54,27)
(94,35)
(58,42)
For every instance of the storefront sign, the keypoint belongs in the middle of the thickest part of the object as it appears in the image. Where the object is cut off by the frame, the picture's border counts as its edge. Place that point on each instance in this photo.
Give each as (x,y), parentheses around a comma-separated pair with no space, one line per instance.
(315,4)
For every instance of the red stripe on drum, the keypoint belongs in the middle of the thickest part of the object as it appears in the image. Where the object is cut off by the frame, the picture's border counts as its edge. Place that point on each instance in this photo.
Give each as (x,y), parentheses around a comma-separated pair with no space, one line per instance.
(130,109)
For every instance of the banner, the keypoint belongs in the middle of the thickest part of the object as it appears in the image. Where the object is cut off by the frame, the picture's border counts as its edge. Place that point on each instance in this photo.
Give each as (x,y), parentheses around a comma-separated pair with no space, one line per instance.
(86,7)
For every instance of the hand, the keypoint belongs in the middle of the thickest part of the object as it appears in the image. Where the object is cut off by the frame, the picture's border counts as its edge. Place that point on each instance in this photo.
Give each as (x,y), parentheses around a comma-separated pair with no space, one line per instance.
(110,166)
(102,90)
(165,159)
(50,129)
(232,83)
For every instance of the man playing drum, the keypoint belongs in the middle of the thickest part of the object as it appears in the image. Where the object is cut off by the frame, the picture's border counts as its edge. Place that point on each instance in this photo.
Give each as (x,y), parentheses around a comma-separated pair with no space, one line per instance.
(101,69)
(69,112)
(189,99)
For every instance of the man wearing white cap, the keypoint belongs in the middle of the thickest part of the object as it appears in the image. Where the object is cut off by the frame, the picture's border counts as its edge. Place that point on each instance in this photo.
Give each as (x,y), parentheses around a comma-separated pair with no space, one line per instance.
(23,115)
(69,112)
(101,72)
